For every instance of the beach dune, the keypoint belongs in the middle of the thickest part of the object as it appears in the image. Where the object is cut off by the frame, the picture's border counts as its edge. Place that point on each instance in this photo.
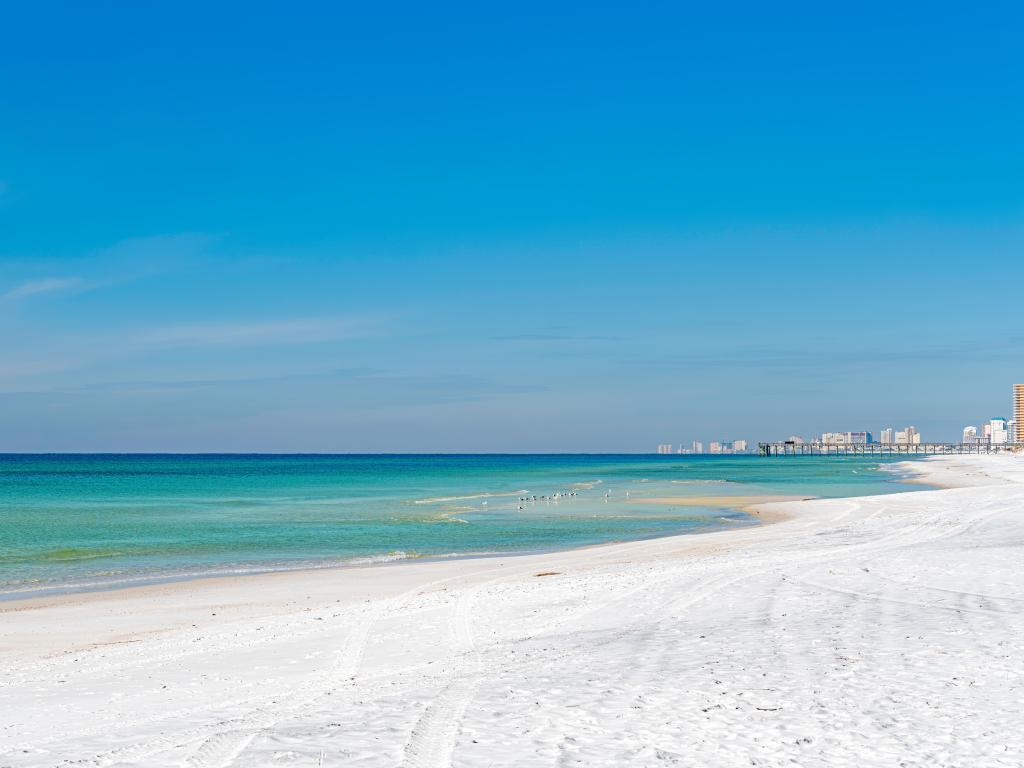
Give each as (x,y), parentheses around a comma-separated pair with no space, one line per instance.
(867,631)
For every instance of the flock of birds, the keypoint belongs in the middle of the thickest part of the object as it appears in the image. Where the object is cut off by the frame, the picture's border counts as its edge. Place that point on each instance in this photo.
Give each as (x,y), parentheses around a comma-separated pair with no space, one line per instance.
(558,495)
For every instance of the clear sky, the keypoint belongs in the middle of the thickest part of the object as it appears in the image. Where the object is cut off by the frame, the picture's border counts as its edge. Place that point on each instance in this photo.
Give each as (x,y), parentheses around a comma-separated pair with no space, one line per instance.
(520,227)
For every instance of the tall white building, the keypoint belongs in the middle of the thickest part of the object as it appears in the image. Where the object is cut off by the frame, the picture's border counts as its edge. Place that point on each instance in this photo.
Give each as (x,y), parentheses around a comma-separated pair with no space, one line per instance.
(908,436)
(886,435)
(698,446)
(846,438)
(970,435)
(1000,434)
(665,448)
(739,446)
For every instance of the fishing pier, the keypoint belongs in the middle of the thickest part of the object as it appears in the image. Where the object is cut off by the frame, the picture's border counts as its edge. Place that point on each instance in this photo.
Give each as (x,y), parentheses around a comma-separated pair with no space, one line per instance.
(790,448)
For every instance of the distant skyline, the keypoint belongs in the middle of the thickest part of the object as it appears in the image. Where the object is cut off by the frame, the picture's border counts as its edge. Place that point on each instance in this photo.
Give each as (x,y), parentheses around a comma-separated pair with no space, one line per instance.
(453,228)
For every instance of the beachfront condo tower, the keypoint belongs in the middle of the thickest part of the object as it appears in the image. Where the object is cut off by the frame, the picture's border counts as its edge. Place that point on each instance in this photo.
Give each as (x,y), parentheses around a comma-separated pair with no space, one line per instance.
(1018,412)
(998,433)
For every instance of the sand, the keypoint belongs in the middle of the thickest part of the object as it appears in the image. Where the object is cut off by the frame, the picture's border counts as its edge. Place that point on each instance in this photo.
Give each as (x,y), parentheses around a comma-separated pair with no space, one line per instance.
(882,630)
(751,504)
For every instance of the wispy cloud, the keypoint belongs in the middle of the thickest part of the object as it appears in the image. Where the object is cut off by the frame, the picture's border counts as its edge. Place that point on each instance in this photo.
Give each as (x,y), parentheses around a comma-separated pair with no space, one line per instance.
(822,358)
(369,387)
(533,337)
(47,285)
(542,337)
(86,351)
(179,385)
(293,331)
(123,262)
(17,369)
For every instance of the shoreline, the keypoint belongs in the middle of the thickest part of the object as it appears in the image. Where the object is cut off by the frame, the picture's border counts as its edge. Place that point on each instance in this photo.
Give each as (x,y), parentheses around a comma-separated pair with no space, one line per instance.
(762,510)
(10,601)
(768,513)
(214,587)
(824,638)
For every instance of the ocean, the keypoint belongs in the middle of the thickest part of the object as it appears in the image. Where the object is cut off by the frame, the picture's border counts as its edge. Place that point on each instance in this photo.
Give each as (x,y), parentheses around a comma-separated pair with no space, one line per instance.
(84,522)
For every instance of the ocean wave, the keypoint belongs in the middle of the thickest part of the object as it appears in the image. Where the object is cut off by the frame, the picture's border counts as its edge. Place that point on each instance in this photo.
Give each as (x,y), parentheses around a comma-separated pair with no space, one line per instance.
(448,517)
(62,555)
(117,579)
(390,557)
(443,499)
(30,587)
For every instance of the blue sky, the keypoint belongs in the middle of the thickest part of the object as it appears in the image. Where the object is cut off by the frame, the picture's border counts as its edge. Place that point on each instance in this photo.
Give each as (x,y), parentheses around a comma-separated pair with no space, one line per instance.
(594,227)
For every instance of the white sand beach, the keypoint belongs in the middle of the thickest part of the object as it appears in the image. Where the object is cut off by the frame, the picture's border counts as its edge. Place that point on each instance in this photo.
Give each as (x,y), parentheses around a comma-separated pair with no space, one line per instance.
(875,631)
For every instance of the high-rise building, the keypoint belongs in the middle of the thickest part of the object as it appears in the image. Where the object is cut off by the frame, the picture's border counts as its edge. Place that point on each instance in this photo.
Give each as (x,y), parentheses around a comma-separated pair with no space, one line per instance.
(739,446)
(846,438)
(1000,435)
(970,434)
(1018,412)
(698,446)
(716,447)
(886,435)
(907,436)
(665,448)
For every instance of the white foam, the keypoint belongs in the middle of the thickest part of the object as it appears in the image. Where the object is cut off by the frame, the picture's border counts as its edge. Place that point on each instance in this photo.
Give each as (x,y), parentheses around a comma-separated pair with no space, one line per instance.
(444,499)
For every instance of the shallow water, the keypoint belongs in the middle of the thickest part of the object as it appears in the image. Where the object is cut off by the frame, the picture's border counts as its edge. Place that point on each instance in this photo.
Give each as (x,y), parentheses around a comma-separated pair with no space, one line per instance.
(96,521)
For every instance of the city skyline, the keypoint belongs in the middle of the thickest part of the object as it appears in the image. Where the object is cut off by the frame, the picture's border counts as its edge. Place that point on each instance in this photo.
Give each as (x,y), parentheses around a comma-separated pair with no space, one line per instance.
(714,447)
(997,430)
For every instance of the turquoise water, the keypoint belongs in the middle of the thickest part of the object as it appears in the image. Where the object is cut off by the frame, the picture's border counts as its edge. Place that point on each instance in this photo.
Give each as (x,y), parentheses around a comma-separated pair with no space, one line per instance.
(91,521)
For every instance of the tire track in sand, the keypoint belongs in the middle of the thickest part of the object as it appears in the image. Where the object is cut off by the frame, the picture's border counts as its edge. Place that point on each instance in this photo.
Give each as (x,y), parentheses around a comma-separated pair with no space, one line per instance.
(221,749)
(217,745)
(432,740)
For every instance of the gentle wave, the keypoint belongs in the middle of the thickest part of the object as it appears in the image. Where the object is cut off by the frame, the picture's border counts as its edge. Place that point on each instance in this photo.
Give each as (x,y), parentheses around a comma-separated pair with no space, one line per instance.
(443,499)
(37,587)
(390,557)
(64,555)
